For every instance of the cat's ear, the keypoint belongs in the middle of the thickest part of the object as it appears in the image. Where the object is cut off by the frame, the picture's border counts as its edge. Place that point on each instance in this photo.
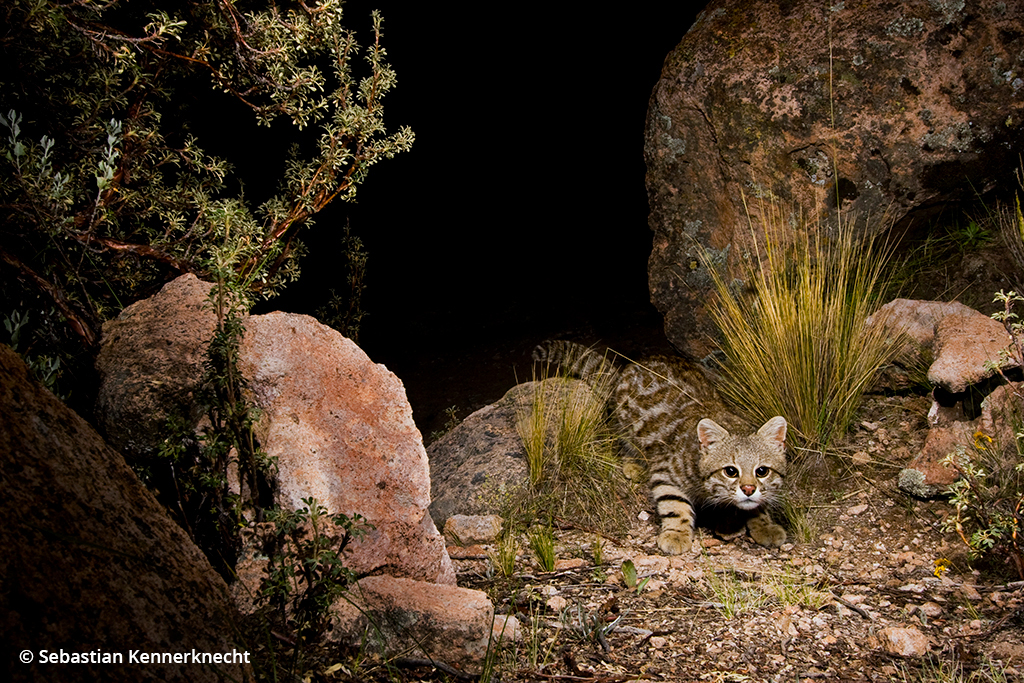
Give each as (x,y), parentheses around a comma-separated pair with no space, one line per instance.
(709,432)
(774,430)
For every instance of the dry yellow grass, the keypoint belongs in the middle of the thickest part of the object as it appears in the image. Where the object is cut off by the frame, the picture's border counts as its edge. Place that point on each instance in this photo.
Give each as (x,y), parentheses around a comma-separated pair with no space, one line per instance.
(798,344)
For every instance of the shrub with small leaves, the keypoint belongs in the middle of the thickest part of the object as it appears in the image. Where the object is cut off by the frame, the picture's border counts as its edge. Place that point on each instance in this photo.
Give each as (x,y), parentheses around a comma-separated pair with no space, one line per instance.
(988,516)
(105,191)
(988,496)
(307,573)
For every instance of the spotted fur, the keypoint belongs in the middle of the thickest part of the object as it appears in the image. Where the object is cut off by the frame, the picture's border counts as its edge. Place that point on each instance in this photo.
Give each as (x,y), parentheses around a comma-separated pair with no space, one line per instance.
(698,462)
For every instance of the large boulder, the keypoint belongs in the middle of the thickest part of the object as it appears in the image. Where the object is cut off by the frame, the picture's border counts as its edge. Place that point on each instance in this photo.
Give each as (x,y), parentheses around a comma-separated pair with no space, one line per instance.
(339,425)
(150,361)
(341,430)
(479,465)
(872,108)
(91,563)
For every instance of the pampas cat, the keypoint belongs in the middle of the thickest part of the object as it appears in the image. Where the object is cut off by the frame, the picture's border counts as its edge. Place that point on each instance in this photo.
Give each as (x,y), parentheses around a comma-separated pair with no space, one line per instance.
(698,461)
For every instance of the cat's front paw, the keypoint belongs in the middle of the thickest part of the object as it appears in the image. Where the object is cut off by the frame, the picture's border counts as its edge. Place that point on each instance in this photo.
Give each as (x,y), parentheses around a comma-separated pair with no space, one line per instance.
(767,533)
(675,542)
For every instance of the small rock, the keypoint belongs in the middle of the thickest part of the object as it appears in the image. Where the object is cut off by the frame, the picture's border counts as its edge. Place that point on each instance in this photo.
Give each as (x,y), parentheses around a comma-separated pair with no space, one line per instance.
(906,642)
(469,552)
(556,603)
(472,529)
(860,458)
(857,509)
(969,592)
(913,588)
(658,642)
(786,625)
(931,609)
(568,563)
(507,629)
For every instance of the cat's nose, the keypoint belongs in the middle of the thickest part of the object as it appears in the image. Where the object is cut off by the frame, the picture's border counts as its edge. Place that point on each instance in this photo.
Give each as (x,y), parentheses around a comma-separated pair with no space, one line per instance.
(748,490)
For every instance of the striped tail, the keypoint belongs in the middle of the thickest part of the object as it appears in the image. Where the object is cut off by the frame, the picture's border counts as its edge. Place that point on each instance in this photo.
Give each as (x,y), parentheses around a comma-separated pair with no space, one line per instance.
(576,360)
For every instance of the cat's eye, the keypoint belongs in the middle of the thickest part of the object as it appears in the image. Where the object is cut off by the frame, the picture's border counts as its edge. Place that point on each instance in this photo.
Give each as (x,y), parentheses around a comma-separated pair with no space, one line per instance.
(731,471)
(762,471)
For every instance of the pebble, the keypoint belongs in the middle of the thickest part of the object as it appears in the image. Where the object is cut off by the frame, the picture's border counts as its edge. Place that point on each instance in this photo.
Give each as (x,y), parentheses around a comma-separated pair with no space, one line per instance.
(556,603)
(568,563)
(970,592)
(928,609)
(857,509)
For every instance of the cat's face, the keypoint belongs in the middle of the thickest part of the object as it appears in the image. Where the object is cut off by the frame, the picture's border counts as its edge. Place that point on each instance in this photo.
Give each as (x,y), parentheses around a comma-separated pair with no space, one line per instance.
(742,471)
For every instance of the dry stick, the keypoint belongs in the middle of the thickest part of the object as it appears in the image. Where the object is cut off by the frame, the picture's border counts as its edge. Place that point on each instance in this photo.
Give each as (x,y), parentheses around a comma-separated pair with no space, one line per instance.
(856,608)
(437,664)
(994,628)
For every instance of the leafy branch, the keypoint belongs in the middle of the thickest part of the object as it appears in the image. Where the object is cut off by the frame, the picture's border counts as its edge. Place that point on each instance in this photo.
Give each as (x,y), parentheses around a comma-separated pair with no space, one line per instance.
(112,201)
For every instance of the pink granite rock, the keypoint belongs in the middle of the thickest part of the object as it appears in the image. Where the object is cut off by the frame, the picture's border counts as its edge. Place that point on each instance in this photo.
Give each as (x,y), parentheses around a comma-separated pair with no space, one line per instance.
(150,361)
(951,429)
(342,432)
(340,425)
(905,642)
(395,616)
(967,344)
(919,319)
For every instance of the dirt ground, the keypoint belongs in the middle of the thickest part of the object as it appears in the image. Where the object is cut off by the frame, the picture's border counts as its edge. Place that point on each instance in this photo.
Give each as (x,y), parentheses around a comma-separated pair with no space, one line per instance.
(869,589)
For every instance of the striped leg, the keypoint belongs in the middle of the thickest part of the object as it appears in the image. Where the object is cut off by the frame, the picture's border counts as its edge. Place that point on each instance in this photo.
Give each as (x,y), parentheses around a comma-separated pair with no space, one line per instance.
(677,517)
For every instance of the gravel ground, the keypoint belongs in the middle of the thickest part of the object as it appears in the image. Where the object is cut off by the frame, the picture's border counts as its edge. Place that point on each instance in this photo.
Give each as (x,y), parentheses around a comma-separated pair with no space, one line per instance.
(870,588)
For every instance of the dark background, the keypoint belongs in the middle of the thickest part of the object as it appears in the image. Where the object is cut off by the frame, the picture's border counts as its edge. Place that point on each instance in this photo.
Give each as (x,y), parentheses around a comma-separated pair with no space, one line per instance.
(521,211)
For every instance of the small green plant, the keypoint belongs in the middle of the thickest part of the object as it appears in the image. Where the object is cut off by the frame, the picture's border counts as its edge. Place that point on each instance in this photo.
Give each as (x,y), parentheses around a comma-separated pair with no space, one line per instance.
(800,345)
(590,626)
(1010,222)
(988,496)
(970,237)
(597,551)
(728,592)
(802,529)
(630,578)
(306,573)
(344,311)
(791,589)
(46,369)
(565,425)
(988,517)
(451,422)
(934,670)
(542,542)
(537,655)
(503,558)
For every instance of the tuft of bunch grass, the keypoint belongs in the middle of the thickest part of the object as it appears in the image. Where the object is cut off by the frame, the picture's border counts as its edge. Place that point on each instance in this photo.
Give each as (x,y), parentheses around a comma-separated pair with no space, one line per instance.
(1010,221)
(571,445)
(799,344)
(542,542)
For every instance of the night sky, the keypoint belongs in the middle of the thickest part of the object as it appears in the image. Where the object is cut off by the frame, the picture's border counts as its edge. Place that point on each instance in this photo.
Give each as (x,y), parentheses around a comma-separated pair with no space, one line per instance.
(522,203)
